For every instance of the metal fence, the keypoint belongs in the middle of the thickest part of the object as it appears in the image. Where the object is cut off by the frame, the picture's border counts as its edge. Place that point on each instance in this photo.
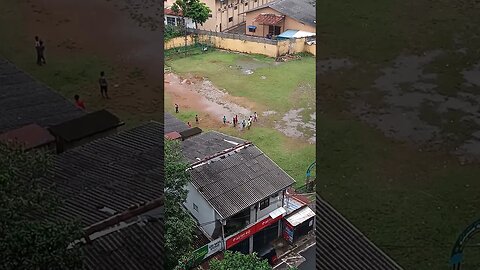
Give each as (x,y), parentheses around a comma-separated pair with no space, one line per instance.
(233,36)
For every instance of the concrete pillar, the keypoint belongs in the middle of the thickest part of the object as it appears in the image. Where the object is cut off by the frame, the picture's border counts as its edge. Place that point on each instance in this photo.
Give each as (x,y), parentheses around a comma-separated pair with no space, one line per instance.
(250,240)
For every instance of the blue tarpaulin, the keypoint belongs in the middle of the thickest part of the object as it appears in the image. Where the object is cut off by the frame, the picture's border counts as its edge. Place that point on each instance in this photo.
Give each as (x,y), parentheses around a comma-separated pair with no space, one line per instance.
(252,27)
(287,34)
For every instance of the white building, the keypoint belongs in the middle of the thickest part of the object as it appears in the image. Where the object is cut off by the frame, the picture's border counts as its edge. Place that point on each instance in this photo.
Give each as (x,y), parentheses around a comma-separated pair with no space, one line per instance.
(176,19)
(236,191)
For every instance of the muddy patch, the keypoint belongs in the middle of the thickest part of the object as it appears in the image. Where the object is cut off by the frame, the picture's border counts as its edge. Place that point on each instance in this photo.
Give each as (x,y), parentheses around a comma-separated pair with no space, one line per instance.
(409,107)
(294,125)
(210,102)
(327,65)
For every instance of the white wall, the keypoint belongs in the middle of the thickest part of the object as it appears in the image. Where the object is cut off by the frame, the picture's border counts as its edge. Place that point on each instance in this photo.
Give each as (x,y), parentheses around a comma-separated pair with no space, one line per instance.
(275,202)
(190,24)
(205,212)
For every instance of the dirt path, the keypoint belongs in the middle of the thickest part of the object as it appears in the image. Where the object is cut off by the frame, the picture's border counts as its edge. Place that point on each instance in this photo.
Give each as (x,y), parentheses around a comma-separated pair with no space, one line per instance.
(108,29)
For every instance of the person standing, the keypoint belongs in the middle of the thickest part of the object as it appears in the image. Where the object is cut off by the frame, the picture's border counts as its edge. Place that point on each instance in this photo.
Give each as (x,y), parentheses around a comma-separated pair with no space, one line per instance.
(37,50)
(79,103)
(196,118)
(234,122)
(236,118)
(243,124)
(255,117)
(224,119)
(176,108)
(249,123)
(42,53)
(188,124)
(102,81)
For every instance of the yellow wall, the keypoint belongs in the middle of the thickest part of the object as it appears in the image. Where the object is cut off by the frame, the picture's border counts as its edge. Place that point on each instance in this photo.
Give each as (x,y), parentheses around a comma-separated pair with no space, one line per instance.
(241,45)
(177,42)
(245,46)
(289,23)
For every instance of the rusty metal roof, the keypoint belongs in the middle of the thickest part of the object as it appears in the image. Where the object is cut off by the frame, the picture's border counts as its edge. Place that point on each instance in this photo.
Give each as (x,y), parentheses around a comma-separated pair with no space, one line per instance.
(173,135)
(269,19)
(29,136)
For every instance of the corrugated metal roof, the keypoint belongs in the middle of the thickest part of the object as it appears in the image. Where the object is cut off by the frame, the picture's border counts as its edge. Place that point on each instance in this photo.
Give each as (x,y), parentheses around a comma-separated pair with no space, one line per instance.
(207,144)
(114,172)
(86,125)
(173,124)
(24,101)
(340,245)
(300,216)
(136,247)
(237,179)
(29,136)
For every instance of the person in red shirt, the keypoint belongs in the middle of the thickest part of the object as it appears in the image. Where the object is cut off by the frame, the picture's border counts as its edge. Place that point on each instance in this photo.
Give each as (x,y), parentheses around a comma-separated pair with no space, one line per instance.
(79,103)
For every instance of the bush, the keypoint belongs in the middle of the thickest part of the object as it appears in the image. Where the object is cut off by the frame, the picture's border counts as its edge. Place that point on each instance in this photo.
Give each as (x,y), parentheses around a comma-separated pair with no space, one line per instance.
(172,31)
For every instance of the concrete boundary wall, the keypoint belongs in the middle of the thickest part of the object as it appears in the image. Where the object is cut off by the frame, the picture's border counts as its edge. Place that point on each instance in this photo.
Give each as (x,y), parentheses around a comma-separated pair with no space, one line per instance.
(251,45)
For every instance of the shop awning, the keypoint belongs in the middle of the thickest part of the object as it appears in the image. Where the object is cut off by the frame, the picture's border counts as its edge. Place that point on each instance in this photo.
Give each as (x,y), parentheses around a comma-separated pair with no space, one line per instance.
(301,216)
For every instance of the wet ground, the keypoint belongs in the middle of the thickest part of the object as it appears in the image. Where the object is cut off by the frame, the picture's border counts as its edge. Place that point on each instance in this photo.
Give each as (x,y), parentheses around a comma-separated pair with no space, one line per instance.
(199,94)
(406,103)
(123,32)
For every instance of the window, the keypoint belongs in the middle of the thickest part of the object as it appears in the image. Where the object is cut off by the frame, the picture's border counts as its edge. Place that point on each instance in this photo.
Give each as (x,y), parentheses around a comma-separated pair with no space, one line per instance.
(235,8)
(251,29)
(274,30)
(230,19)
(210,15)
(246,4)
(195,207)
(171,21)
(265,203)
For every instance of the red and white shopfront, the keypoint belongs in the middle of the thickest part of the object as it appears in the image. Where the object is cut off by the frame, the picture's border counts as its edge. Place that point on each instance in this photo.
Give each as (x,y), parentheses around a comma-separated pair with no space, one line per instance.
(257,236)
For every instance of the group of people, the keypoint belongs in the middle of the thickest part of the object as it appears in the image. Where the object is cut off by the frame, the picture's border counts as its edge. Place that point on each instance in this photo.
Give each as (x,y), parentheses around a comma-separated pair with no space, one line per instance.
(246,123)
(102,81)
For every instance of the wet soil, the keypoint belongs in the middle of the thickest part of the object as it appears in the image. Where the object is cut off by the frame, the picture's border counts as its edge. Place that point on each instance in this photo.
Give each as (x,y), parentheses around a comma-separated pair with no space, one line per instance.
(409,106)
(200,95)
(111,30)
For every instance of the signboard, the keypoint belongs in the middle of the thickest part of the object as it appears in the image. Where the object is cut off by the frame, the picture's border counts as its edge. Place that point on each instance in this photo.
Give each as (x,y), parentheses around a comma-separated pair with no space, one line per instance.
(288,232)
(232,241)
(204,252)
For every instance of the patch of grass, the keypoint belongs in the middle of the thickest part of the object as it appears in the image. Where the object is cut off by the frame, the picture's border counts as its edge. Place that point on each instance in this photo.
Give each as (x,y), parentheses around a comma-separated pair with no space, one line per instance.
(412,205)
(275,91)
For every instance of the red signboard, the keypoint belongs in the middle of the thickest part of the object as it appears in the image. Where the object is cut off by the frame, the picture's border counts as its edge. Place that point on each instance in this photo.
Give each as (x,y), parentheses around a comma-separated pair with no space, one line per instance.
(232,241)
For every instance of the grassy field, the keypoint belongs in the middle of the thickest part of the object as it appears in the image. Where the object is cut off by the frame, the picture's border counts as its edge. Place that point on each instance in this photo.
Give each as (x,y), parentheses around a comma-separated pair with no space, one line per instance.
(278,92)
(411,203)
(273,85)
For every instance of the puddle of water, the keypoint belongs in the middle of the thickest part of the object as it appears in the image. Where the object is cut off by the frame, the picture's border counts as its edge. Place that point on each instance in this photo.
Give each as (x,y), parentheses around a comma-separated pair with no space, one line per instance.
(268,113)
(406,90)
(292,125)
(472,76)
(333,64)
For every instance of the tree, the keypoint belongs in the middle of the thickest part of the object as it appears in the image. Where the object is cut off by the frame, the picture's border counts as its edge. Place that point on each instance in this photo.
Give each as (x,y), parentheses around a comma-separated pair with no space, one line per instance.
(28,241)
(180,227)
(193,9)
(239,261)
